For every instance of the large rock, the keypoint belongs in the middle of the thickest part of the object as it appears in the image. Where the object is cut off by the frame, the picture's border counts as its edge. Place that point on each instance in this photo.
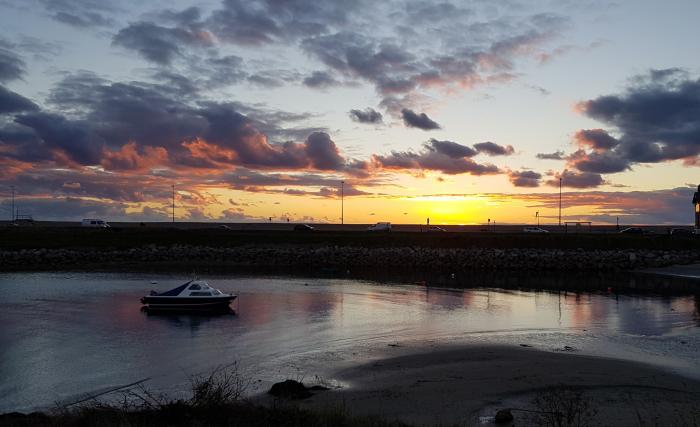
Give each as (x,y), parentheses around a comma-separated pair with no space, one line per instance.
(503,416)
(290,389)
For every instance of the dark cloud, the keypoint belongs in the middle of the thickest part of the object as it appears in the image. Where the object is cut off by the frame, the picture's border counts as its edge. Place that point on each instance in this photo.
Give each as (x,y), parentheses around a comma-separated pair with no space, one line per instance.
(493,149)
(445,156)
(81,13)
(420,121)
(368,115)
(136,125)
(12,66)
(557,155)
(322,152)
(160,44)
(11,102)
(39,49)
(262,22)
(450,148)
(320,80)
(657,118)
(246,23)
(596,139)
(525,178)
(598,162)
(71,137)
(223,71)
(472,51)
(575,179)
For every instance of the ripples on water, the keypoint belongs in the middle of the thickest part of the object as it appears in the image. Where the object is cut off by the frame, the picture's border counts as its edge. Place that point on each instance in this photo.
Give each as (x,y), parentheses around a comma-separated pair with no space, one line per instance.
(67,334)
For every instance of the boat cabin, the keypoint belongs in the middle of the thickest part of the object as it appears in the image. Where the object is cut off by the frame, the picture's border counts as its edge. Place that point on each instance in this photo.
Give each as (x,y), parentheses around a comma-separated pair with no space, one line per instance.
(200,289)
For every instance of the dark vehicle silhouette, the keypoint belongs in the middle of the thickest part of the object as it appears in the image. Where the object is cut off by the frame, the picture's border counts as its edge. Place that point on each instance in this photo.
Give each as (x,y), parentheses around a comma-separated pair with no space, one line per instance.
(681,232)
(303,227)
(632,230)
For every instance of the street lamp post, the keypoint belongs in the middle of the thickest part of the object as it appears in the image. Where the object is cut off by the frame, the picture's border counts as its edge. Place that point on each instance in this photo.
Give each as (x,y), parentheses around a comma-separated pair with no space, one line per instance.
(13,203)
(537,215)
(173,203)
(559,201)
(342,203)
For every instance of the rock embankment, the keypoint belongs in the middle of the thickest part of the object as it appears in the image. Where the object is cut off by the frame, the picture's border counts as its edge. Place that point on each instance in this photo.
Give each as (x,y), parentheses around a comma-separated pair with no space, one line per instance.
(341,258)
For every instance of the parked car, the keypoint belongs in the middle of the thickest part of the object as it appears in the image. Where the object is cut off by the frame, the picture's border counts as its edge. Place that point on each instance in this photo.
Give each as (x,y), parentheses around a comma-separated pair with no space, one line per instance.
(681,232)
(632,230)
(534,230)
(94,223)
(225,227)
(303,227)
(435,228)
(380,226)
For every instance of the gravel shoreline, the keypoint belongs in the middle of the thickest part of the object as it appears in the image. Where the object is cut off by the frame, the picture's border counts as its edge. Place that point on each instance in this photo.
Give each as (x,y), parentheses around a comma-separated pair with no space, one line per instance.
(344,258)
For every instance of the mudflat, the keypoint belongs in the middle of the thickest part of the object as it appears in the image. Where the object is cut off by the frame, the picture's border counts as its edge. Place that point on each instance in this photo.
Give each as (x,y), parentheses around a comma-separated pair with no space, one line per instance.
(467,385)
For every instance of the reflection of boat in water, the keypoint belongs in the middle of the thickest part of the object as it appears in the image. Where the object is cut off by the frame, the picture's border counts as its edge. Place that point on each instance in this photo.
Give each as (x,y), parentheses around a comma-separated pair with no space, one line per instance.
(195,295)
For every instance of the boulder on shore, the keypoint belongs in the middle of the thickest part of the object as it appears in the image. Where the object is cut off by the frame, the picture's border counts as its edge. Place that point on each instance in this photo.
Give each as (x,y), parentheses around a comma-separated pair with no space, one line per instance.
(290,389)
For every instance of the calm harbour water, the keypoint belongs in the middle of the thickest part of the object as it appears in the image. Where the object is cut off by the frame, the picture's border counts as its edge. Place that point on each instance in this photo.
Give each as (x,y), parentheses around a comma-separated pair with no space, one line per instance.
(63,335)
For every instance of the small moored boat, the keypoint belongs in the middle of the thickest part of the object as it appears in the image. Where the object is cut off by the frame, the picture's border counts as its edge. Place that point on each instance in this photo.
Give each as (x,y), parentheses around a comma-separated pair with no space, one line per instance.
(193,295)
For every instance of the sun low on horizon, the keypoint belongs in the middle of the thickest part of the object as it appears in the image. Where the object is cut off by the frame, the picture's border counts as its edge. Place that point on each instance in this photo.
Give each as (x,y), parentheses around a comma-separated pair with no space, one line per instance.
(460,112)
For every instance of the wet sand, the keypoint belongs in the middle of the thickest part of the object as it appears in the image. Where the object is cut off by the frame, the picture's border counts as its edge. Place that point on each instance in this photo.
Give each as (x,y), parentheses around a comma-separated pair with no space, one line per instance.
(467,384)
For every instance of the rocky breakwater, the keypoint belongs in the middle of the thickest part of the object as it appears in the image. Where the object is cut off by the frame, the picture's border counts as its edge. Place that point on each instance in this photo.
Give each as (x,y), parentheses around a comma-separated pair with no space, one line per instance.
(343,258)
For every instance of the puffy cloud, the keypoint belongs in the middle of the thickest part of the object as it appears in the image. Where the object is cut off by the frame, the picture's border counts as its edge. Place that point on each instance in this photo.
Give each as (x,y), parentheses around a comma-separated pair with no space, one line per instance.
(657,118)
(12,66)
(493,149)
(596,139)
(557,155)
(160,44)
(445,156)
(575,179)
(320,80)
(80,13)
(11,102)
(525,178)
(72,138)
(139,125)
(472,51)
(322,152)
(420,121)
(129,158)
(368,115)
(598,161)
(450,148)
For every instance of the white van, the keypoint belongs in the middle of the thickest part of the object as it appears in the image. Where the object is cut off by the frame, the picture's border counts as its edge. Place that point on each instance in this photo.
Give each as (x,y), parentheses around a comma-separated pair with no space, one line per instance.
(95,223)
(380,226)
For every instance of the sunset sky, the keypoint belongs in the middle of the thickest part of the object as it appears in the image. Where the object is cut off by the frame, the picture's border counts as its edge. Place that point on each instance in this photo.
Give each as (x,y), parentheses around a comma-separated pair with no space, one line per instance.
(459,111)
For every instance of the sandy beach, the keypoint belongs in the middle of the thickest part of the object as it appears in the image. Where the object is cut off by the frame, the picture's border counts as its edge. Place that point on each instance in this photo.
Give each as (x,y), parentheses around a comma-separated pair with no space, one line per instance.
(467,385)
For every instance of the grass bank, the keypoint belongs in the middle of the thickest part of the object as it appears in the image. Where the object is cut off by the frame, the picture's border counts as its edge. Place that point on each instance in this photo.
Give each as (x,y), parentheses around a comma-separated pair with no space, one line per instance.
(216,399)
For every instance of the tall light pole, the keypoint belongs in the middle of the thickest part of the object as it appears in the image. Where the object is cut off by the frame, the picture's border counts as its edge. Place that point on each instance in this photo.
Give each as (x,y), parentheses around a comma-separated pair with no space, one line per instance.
(342,202)
(537,215)
(13,203)
(560,201)
(173,203)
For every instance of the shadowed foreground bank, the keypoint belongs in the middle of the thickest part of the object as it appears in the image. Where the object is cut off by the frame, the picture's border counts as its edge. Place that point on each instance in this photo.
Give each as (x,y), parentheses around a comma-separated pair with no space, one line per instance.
(444,386)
